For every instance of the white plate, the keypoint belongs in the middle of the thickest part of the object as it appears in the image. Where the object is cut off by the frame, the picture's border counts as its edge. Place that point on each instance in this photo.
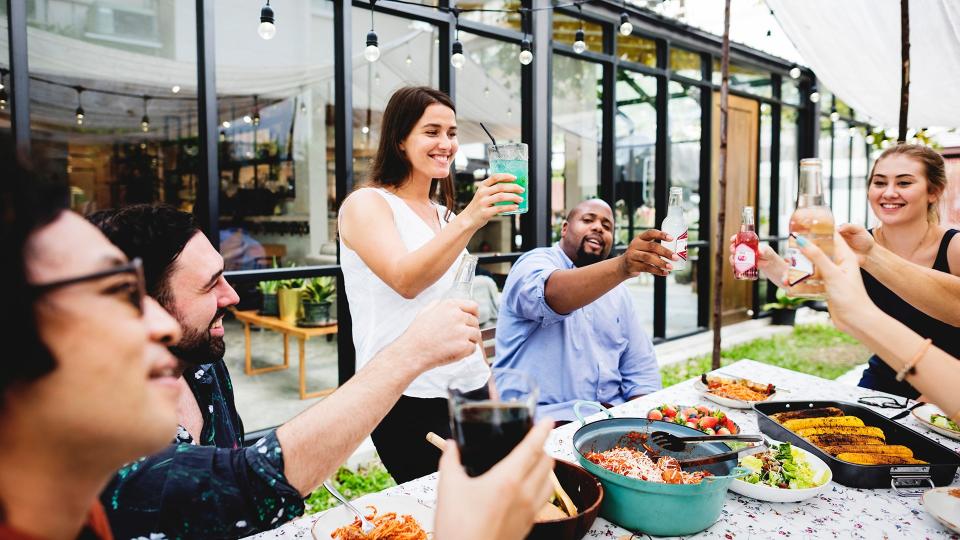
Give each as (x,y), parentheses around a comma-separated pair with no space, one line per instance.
(727,402)
(943,506)
(922,414)
(772,494)
(340,516)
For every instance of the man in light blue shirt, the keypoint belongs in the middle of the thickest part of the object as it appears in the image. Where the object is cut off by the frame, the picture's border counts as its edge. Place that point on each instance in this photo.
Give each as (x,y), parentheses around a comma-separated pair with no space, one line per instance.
(567,320)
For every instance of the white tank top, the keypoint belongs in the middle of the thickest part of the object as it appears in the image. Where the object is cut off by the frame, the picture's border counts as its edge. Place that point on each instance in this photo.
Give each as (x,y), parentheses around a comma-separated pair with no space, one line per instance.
(380,314)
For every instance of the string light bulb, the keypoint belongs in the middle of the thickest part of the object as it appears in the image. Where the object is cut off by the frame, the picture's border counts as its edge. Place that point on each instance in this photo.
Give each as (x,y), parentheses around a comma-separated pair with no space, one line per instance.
(626,27)
(814,97)
(834,116)
(526,55)
(268,27)
(79,113)
(145,120)
(256,111)
(457,59)
(3,91)
(372,52)
(795,72)
(579,45)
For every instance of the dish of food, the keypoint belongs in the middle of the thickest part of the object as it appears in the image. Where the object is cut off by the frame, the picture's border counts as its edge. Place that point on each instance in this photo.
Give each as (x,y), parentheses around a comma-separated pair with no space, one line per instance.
(933,419)
(701,417)
(943,504)
(733,391)
(397,517)
(846,438)
(635,464)
(783,474)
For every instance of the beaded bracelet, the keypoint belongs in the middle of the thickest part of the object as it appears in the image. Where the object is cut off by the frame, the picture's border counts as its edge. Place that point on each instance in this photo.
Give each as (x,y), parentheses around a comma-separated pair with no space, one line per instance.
(910,366)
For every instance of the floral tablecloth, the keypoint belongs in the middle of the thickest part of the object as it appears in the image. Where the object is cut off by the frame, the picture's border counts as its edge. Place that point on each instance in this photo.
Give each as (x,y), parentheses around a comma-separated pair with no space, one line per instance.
(841,512)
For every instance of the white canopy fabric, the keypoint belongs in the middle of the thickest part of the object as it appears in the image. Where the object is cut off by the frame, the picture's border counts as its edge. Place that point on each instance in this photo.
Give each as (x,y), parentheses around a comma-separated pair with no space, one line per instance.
(854,48)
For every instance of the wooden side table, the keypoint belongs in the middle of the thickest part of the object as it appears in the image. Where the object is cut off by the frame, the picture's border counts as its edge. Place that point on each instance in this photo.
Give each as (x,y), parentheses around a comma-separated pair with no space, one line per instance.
(275,324)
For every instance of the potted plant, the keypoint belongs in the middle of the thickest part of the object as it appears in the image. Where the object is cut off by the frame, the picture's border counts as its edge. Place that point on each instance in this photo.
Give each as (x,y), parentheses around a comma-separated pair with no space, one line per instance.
(288,299)
(317,296)
(784,310)
(268,289)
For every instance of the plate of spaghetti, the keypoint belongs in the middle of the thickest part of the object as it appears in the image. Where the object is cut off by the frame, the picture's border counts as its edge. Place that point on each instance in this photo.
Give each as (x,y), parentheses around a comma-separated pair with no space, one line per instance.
(734,392)
(396,517)
(636,464)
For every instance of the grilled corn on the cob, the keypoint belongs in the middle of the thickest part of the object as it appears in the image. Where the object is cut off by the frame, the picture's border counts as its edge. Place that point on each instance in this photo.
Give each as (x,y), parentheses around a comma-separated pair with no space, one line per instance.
(878,459)
(891,449)
(869,431)
(806,413)
(828,422)
(840,439)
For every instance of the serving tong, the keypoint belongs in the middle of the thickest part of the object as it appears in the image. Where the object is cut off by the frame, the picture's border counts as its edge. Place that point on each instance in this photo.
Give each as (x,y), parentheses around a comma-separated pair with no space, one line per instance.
(673,443)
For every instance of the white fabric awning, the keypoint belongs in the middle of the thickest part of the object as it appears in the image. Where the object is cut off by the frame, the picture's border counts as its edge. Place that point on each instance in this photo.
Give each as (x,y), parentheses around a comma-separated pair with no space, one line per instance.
(854,48)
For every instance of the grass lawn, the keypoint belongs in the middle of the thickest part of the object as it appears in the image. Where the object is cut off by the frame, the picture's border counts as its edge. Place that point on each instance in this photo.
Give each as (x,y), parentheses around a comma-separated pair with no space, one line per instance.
(819,350)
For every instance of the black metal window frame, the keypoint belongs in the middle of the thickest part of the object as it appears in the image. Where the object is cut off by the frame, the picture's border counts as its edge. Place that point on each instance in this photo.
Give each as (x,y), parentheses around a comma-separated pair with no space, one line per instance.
(536,117)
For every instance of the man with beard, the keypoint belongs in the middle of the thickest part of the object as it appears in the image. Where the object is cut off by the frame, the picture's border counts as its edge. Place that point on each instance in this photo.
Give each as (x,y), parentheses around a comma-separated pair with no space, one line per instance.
(567,319)
(206,485)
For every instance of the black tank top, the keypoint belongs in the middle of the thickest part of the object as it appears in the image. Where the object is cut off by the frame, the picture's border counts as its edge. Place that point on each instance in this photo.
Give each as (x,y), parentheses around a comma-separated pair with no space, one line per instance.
(880,376)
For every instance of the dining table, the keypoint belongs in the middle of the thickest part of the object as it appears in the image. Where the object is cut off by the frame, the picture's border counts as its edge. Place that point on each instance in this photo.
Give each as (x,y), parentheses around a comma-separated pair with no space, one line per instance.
(839,512)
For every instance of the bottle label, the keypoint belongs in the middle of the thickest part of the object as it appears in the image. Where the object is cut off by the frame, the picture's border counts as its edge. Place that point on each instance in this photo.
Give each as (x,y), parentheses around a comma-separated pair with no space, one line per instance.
(681,245)
(800,266)
(744,258)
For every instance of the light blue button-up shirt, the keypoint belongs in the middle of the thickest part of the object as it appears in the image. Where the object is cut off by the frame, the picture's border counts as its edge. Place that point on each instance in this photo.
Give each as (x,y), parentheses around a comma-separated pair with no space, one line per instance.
(596,353)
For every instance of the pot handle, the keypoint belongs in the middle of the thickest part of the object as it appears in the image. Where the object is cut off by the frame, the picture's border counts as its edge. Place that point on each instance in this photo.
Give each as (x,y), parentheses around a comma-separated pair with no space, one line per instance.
(582,417)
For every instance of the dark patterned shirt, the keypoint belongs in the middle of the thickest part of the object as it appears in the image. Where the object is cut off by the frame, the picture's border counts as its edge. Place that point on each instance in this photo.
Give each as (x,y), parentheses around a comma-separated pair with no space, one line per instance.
(214,489)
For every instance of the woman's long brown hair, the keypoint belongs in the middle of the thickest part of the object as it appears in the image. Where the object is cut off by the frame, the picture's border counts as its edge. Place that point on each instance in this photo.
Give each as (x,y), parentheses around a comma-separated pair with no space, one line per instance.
(391,168)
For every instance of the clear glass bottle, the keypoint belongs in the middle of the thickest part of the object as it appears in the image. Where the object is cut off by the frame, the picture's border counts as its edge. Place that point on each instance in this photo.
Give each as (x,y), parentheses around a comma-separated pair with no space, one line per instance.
(746,248)
(463,280)
(814,221)
(676,226)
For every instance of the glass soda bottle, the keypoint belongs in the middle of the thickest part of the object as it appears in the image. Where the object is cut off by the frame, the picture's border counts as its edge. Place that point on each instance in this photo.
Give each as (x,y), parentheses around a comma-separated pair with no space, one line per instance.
(676,226)
(814,221)
(746,250)
(463,281)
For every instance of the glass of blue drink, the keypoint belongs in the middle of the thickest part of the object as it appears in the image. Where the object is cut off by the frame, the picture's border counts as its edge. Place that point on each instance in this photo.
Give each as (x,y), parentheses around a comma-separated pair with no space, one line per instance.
(512,159)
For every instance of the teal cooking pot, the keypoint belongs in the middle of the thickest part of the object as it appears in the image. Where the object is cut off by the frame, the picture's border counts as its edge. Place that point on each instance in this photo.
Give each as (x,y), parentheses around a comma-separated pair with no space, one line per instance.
(652,507)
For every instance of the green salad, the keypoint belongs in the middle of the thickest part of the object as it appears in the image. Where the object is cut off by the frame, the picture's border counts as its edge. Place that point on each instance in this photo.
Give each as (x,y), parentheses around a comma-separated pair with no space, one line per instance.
(940,420)
(783,466)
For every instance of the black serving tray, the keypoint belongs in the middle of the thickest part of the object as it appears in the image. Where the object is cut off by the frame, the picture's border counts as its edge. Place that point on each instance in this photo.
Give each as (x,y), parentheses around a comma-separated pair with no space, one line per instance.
(904,479)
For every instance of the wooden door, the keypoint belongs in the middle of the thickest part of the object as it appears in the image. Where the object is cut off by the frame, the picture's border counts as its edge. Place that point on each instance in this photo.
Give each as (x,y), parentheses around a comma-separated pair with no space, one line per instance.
(742,146)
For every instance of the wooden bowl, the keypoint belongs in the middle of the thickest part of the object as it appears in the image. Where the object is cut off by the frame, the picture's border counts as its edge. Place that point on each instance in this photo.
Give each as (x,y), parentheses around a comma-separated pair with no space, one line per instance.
(585,491)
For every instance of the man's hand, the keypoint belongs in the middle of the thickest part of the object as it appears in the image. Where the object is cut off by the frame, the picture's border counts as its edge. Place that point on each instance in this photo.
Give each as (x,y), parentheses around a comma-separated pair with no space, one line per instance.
(646,254)
(443,332)
(860,241)
(501,503)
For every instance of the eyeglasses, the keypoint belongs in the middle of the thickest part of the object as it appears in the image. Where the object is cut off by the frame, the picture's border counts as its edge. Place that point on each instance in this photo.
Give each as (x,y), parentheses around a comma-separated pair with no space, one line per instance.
(884,402)
(135,293)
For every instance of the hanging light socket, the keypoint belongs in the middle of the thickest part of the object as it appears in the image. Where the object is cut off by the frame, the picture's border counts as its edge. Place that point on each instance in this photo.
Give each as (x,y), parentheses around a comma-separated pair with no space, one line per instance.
(457,59)
(267,28)
(79,113)
(145,120)
(626,27)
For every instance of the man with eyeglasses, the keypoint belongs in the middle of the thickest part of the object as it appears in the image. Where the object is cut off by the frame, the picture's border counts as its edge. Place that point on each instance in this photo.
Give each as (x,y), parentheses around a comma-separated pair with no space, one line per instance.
(206,484)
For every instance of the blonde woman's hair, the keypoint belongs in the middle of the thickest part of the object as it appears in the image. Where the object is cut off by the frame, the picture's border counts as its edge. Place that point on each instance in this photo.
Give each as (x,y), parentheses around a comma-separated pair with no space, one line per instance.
(934,167)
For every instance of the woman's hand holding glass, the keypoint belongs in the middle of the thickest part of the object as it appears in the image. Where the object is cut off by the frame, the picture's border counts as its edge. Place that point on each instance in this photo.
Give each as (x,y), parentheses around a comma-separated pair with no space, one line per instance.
(859,240)
(498,188)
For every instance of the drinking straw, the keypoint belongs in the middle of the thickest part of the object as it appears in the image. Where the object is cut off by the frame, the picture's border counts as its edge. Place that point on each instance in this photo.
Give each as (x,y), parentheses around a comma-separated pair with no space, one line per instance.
(487,131)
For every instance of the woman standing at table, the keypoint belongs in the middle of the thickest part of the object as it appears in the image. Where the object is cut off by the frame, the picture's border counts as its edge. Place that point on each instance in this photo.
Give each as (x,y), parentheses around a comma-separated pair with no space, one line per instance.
(906,184)
(399,249)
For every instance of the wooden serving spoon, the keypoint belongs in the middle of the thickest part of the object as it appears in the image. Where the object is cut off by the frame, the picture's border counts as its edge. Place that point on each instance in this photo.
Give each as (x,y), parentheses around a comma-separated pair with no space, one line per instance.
(545,513)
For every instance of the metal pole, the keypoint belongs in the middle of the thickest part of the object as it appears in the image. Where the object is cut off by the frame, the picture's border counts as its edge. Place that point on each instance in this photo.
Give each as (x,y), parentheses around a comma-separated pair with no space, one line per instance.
(207,207)
(19,78)
(722,197)
(343,164)
(537,96)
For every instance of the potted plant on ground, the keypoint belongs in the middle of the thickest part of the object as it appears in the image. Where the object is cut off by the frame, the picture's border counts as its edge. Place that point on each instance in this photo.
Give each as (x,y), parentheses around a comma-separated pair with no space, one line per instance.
(288,299)
(317,296)
(784,310)
(268,289)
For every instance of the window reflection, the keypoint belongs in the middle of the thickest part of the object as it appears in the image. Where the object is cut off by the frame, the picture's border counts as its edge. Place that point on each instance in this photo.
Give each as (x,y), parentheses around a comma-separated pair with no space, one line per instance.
(637,49)
(684,112)
(488,91)
(510,20)
(789,167)
(686,63)
(841,172)
(636,135)
(565,31)
(858,160)
(745,79)
(575,159)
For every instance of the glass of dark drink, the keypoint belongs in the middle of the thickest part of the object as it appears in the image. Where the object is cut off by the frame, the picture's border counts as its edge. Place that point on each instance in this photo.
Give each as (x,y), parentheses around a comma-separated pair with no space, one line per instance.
(488,422)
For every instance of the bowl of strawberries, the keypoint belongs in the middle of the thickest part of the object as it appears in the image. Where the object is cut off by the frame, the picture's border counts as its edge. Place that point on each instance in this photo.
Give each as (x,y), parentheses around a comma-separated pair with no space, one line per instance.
(700,417)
